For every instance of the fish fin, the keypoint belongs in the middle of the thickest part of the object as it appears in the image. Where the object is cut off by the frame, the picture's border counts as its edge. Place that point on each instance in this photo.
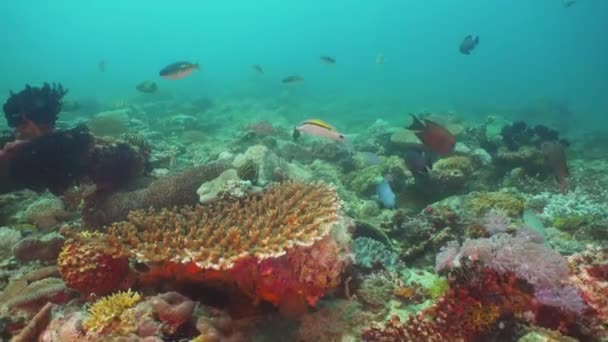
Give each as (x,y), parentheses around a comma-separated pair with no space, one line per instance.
(296,134)
(476,40)
(416,125)
(320,123)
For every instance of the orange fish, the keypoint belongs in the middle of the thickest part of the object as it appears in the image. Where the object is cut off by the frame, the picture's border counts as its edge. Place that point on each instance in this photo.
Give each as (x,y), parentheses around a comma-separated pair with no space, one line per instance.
(434,137)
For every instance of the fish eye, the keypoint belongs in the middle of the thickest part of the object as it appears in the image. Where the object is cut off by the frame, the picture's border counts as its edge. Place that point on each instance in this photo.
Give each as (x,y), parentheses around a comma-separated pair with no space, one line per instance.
(341,136)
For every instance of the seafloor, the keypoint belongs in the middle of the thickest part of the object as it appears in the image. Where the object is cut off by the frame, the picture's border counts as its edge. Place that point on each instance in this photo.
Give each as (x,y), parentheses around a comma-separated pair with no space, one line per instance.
(308,239)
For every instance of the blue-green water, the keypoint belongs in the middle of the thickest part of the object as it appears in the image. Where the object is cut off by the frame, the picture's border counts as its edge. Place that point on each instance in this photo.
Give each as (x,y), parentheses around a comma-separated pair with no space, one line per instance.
(530,52)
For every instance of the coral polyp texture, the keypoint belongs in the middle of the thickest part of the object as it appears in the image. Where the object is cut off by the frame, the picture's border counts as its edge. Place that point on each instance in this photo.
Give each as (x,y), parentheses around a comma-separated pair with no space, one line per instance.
(92,263)
(110,311)
(217,235)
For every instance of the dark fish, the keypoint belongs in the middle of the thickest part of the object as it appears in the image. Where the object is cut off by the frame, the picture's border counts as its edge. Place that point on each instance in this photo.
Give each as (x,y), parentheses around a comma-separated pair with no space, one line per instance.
(328,60)
(292,79)
(178,70)
(418,161)
(258,69)
(147,87)
(434,137)
(555,159)
(468,44)
(101,65)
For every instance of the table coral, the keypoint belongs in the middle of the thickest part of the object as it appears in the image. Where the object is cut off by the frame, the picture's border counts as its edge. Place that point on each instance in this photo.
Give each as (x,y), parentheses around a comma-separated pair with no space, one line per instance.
(263,226)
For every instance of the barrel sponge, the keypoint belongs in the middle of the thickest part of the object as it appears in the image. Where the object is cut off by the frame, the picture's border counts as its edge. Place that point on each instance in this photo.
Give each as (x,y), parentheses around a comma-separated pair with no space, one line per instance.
(92,263)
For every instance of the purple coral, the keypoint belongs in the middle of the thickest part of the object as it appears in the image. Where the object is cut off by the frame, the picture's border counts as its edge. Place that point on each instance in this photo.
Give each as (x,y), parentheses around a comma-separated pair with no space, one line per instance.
(566,298)
(447,255)
(535,263)
(496,221)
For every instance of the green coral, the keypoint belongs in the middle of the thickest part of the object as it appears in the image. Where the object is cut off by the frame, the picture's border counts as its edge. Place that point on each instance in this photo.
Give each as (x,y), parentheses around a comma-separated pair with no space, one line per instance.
(480,203)
(363,181)
(438,287)
(571,223)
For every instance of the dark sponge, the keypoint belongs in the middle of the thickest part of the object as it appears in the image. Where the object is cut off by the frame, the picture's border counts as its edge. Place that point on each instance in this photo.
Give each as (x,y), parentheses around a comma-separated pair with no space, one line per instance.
(54,161)
(41,105)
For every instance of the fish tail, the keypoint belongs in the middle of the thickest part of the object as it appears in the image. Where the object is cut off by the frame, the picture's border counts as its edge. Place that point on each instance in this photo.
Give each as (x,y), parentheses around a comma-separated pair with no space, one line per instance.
(416,125)
(296,134)
(476,40)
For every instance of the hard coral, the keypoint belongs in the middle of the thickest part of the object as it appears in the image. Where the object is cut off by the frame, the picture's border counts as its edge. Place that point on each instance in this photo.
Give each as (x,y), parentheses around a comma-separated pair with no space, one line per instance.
(262,225)
(174,190)
(92,263)
(111,313)
(482,202)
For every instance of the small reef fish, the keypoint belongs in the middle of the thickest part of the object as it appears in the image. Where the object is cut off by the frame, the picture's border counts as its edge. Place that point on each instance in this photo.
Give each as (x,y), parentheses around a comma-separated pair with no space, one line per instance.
(328,60)
(555,158)
(418,161)
(317,128)
(147,87)
(292,79)
(258,69)
(101,65)
(468,44)
(380,58)
(434,136)
(386,196)
(178,70)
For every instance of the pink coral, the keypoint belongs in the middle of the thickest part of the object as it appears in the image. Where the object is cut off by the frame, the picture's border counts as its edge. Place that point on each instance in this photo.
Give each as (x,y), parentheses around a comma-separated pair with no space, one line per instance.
(173,309)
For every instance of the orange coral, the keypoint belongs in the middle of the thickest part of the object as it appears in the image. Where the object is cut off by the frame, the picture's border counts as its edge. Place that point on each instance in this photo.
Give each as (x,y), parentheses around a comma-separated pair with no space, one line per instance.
(216,236)
(92,263)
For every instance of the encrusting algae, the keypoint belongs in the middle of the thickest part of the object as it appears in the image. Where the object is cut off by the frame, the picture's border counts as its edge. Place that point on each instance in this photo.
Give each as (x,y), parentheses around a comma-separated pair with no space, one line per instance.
(112,312)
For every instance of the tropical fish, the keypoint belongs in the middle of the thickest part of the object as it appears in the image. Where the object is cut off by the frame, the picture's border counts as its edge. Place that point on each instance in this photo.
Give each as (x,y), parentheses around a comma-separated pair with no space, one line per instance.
(380,58)
(418,161)
(386,196)
(147,87)
(468,44)
(318,128)
(178,70)
(258,69)
(328,60)
(555,158)
(292,79)
(102,65)
(434,137)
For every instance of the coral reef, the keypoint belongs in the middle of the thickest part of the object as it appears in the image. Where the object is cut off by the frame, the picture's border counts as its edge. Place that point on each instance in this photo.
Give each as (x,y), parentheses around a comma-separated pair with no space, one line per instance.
(369,253)
(92,263)
(112,313)
(34,106)
(173,190)
(45,248)
(281,217)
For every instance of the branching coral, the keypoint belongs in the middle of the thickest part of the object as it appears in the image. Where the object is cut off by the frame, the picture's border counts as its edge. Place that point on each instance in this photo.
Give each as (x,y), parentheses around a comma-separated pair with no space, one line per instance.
(112,313)
(261,226)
